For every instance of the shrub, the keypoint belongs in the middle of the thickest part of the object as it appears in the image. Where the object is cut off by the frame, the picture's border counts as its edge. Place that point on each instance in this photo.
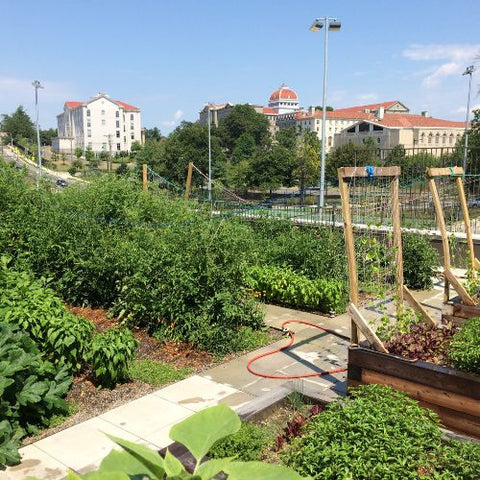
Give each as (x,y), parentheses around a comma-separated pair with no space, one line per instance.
(247,444)
(62,338)
(111,354)
(285,286)
(464,349)
(420,260)
(31,390)
(377,433)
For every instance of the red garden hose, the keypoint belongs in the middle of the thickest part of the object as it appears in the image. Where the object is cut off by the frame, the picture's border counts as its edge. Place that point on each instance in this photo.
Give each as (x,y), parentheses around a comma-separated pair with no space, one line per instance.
(288,345)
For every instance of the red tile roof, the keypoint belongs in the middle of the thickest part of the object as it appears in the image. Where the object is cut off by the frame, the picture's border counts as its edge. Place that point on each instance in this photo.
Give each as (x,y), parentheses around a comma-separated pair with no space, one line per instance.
(73,104)
(410,120)
(269,111)
(126,106)
(283,93)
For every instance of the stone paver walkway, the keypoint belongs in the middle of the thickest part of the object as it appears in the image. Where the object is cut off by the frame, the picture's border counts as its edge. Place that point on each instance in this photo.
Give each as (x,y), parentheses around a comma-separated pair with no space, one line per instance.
(148,419)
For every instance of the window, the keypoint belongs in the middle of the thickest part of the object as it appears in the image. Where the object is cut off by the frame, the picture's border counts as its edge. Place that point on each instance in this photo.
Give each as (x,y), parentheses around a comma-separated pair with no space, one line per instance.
(124,139)
(103,112)
(378,140)
(118,146)
(118,133)
(103,121)
(351,130)
(104,146)
(131,116)
(430,136)
(437,138)
(88,112)
(89,123)
(377,128)
(118,123)
(422,138)
(132,136)
(451,139)
(89,133)
(132,126)
(117,114)
(330,141)
(444,139)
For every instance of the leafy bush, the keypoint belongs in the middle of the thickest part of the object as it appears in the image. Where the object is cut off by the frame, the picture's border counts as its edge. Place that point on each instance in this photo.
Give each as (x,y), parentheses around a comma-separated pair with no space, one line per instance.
(111,354)
(285,286)
(31,390)
(420,260)
(247,444)
(464,349)
(62,338)
(198,433)
(377,433)
(157,373)
(459,460)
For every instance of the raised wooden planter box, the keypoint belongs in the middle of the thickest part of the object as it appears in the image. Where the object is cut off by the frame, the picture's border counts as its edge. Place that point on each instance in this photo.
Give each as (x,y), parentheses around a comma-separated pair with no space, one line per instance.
(453,395)
(458,312)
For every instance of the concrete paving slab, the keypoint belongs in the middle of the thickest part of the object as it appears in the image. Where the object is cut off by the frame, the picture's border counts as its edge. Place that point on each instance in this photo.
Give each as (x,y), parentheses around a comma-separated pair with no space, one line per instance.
(146,415)
(83,446)
(195,393)
(35,463)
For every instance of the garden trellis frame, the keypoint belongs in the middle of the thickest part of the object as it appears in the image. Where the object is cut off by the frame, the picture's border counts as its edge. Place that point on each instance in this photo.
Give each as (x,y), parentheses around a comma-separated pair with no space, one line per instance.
(450,278)
(358,322)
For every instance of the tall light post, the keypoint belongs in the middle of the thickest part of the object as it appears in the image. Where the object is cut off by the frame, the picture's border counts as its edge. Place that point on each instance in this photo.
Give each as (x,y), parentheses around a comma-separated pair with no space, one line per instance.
(468,71)
(209,156)
(329,24)
(37,85)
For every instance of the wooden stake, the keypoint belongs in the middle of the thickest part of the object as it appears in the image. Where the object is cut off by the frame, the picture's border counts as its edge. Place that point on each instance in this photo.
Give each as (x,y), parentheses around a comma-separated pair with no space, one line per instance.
(459,288)
(418,307)
(466,220)
(350,247)
(364,327)
(189,181)
(443,231)
(144,177)
(397,243)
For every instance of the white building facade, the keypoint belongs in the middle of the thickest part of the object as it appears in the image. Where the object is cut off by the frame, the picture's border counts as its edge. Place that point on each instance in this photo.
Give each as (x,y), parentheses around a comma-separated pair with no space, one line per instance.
(101,124)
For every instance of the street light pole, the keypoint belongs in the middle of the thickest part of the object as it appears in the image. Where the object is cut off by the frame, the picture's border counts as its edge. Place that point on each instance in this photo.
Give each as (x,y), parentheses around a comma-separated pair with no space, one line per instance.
(37,85)
(329,24)
(209,156)
(468,71)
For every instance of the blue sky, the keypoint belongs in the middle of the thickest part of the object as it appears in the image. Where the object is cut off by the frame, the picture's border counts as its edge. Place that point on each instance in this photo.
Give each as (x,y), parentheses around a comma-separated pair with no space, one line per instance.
(172,57)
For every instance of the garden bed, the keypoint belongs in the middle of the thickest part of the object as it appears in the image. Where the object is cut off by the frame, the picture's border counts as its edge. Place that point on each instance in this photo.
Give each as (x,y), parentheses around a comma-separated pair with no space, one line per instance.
(453,395)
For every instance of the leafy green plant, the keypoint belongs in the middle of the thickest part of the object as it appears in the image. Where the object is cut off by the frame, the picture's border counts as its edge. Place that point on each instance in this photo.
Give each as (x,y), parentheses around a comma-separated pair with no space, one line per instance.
(198,433)
(157,373)
(401,324)
(31,390)
(247,444)
(286,286)
(62,338)
(420,261)
(464,349)
(376,433)
(111,354)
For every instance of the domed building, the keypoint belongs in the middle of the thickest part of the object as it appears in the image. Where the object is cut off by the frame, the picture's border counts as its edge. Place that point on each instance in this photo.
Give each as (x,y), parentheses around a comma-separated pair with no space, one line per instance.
(284,100)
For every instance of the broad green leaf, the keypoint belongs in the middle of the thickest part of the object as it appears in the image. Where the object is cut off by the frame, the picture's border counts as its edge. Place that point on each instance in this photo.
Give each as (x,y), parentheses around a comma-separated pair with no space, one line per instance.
(210,468)
(200,431)
(125,462)
(143,454)
(173,466)
(259,471)
(118,475)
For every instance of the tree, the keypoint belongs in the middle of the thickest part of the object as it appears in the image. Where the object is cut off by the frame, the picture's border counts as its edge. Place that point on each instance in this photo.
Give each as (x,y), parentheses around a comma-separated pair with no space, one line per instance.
(272,168)
(18,126)
(78,153)
(287,137)
(244,148)
(153,134)
(244,119)
(307,160)
(351,154)
(46,136)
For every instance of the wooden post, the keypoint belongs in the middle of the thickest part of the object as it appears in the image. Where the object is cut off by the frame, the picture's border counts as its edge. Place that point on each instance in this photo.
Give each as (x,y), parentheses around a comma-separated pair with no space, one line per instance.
(443,231)
(350,247)
(144,177)
(466,220)
(189,181)
(418,307)
(397,243)
(365,329)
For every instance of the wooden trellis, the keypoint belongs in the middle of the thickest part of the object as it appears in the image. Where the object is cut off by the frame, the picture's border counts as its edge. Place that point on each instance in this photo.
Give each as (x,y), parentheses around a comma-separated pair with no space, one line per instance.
(358,322)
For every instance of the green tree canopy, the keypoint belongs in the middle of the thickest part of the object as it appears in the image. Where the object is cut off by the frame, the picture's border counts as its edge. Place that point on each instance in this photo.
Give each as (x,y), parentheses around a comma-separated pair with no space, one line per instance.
(351,154)
(244,119)
(46,136)
(153,134)
(18,126)
(307,160)
(244,148)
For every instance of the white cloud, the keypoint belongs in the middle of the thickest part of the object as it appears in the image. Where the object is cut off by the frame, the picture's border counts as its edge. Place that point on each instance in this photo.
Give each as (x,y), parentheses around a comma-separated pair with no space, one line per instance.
(451,68)
(459,53)
(178,115)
